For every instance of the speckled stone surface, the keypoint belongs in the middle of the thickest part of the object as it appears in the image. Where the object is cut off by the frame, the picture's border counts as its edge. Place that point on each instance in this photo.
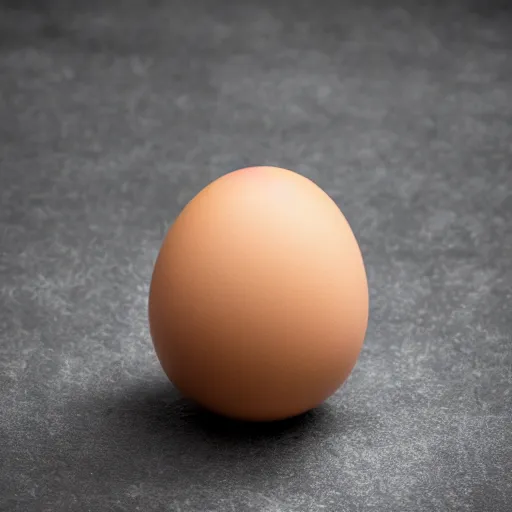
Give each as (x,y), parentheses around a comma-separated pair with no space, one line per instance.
(112,117)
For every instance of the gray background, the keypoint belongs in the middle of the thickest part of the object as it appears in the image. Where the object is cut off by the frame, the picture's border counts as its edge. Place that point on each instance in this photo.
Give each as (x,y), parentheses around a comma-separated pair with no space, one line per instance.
(113,116)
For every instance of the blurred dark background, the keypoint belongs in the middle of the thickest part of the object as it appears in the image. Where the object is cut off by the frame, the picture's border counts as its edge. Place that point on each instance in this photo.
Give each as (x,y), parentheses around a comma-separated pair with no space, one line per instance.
(114,114)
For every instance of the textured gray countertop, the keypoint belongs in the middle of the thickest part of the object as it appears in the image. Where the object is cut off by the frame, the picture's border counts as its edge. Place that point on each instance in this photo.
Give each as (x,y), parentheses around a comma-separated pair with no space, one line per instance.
(112,117)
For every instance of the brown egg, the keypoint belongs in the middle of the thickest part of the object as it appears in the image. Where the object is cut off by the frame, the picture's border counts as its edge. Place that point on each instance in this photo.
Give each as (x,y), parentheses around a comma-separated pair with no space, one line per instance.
(258,304)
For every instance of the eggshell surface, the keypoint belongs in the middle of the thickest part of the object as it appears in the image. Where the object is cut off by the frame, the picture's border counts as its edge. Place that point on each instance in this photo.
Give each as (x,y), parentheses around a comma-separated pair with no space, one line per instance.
(258,304)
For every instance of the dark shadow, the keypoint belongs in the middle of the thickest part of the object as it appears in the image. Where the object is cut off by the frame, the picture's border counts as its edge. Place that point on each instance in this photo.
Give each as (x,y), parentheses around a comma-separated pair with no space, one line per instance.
(32,22)
(152,423)
(159,410)
(145,443)
(491,8)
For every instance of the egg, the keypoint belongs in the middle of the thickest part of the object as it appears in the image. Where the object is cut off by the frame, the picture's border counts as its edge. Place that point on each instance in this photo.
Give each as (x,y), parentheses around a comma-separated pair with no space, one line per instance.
(258,302)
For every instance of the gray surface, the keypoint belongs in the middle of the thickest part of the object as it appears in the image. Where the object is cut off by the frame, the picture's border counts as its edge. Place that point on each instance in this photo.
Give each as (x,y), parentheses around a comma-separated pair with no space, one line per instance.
(112,118)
